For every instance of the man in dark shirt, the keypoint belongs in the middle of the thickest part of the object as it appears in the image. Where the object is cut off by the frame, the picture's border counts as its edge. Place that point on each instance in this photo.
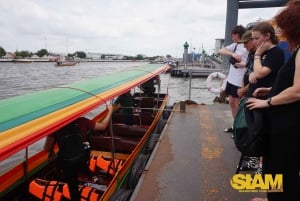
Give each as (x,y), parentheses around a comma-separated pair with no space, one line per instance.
(71,170)
(125,103)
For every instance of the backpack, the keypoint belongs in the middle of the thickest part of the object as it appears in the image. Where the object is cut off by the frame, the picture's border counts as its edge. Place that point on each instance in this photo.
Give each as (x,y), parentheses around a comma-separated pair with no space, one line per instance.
(72,149)
(248,131)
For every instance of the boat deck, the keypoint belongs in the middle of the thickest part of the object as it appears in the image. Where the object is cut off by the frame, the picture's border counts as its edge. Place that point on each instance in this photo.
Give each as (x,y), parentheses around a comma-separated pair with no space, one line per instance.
(194,159)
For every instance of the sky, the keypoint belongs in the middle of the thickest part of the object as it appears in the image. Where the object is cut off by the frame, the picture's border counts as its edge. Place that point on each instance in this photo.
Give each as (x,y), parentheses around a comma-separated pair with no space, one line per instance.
(128,27)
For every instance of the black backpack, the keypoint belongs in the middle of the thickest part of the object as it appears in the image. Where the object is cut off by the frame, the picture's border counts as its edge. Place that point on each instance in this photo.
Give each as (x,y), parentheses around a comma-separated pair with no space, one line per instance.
(248,131)
(72,149)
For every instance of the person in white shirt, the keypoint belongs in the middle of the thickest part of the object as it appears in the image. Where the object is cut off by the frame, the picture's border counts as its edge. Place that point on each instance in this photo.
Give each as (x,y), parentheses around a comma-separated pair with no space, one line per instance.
(238,57)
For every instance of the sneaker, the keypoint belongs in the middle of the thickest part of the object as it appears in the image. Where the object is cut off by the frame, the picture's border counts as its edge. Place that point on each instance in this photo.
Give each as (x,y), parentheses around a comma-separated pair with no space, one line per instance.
(259,170)
(254,162)
(250,165)
(228,130)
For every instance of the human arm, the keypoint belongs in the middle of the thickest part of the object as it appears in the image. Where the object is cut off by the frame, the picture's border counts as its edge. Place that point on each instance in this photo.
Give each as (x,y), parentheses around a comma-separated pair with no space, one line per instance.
(261,70)
(225,51)
(49,146)
(104,123)
(289,95)
(242,91)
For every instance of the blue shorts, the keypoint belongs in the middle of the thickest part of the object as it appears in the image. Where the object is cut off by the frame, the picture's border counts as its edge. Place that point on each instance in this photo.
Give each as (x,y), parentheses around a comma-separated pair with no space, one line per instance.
(231,90)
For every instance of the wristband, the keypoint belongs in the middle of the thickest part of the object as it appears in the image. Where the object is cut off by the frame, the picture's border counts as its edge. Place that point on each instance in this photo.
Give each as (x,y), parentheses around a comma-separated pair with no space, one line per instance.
(269,101)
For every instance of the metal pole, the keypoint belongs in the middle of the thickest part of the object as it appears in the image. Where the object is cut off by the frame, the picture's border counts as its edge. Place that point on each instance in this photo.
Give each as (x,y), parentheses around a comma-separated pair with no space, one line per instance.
(190,84)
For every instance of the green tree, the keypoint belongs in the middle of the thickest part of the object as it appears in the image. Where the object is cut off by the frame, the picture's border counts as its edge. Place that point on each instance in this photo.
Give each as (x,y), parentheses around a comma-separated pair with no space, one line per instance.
(80,54)
(42,52)
(70,55)
(2,52)
(139,57)
(23,54)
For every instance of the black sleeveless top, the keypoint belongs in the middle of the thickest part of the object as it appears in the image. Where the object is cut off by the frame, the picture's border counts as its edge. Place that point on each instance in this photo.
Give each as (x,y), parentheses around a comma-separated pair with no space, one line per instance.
(286,115)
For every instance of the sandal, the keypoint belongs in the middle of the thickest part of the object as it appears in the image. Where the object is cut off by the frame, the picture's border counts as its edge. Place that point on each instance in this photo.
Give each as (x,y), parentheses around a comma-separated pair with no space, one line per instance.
(259,199)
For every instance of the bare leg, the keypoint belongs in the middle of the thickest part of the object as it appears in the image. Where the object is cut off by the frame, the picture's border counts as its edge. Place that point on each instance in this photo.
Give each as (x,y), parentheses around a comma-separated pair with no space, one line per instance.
(234,104)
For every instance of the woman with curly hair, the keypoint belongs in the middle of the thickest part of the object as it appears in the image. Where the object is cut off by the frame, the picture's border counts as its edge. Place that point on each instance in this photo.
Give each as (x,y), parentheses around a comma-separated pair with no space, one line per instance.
(283,109)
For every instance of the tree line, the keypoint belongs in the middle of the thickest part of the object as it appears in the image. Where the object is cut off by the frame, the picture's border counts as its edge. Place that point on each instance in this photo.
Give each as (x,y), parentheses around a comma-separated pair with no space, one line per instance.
(78,54)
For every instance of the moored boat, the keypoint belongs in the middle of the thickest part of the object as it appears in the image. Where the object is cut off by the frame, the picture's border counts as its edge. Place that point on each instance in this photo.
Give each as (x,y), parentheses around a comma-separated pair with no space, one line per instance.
(66,63)
(117,156)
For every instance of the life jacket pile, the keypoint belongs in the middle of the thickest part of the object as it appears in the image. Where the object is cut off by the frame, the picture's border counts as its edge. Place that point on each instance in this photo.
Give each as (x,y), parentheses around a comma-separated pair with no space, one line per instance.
(87,193)
(54,191)
(99,163)
(46,190)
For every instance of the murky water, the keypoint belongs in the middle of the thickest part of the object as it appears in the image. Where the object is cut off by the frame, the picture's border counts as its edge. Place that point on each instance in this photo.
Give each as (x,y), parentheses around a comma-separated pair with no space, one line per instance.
(21,78)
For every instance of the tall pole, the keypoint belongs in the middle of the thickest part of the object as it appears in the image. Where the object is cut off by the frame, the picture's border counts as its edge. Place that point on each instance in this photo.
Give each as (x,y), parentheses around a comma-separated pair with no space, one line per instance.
(185,55)
(231,19)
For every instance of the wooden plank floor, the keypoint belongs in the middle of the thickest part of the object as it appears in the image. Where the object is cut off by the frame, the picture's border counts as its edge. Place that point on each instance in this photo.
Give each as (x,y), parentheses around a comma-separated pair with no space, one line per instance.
(195,159)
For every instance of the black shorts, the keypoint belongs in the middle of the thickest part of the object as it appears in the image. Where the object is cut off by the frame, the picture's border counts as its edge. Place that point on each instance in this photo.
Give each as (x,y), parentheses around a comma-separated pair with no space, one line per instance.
(231,90)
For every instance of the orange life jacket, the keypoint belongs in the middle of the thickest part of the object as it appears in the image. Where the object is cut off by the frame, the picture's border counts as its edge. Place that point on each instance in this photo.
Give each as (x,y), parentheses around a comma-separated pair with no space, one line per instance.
(86,193)
(46,190)
(98,163)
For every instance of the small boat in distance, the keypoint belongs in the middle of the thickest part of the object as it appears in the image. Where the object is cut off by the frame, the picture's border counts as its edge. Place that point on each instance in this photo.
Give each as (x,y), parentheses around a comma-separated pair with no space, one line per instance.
(66,63)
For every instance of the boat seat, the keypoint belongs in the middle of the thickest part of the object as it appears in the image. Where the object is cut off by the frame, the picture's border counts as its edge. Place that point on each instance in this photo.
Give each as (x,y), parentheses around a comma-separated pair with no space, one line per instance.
(146,104)
(146,119)
(119,118)
(121,144)
(128,131)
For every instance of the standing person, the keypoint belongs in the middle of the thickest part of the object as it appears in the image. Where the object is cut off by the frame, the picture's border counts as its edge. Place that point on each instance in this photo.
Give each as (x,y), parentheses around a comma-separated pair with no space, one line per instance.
(249,163)
(268,59)
(71,169)
(251,48)
(283,106)
(238,56)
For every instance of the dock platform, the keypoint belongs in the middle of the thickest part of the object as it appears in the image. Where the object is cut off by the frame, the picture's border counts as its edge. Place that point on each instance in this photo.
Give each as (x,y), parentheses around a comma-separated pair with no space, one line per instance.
(194,159)
(193,72)
(200,70)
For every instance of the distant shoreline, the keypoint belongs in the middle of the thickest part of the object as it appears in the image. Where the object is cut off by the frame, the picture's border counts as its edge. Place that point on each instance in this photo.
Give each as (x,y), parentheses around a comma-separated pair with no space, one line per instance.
(40,60)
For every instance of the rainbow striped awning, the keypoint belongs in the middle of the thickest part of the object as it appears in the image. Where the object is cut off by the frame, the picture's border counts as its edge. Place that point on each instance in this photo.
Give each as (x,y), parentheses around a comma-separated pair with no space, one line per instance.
(28,118)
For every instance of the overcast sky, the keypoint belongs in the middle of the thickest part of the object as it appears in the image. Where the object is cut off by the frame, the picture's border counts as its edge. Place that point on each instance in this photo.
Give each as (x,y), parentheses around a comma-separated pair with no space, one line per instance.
(130,27)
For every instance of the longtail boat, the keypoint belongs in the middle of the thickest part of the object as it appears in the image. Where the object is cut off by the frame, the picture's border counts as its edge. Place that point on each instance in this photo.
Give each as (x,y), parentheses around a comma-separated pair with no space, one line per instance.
(122,150)
(66,63)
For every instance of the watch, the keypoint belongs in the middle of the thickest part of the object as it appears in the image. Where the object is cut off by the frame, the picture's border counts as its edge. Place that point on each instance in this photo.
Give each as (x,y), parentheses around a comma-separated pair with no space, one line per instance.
(269,101)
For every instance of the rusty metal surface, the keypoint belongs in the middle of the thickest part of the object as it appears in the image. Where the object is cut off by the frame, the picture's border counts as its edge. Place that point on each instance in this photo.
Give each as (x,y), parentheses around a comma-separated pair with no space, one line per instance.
(195,159)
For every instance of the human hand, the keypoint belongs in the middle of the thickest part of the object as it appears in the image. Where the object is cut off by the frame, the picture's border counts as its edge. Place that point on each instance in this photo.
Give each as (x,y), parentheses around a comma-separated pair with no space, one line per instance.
(110,107)
(241,64)
(253,103)
(252,78)
(237,57)
(262,48)
(261,92)
(241,92)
